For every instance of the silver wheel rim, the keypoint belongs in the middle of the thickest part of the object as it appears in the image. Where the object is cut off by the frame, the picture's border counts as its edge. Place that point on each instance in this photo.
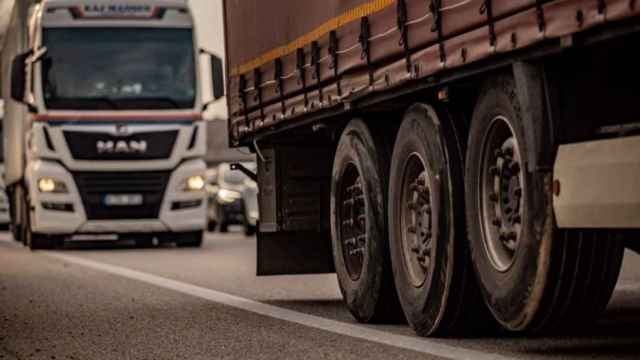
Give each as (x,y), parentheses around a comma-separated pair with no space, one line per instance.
(353,221)
(418,231)
(501,194)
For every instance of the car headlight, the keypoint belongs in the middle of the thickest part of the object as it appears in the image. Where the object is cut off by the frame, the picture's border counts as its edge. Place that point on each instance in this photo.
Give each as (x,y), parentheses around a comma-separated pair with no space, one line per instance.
(228,196)
(195,183)
(50,185)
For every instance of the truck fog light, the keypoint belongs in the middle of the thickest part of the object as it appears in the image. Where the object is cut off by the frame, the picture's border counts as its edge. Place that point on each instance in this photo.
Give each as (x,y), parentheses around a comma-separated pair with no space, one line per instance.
(195,183)
(50,185)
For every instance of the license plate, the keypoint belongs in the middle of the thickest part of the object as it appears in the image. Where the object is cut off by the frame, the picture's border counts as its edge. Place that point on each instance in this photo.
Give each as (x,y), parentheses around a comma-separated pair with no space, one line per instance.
(123,199)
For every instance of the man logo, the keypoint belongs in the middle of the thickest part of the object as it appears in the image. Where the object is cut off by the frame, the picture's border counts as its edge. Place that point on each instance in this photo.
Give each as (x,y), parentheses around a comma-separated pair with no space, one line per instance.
(121,147)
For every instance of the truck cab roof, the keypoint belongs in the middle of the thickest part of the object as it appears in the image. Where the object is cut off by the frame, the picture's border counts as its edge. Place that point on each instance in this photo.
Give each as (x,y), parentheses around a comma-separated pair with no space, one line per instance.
(105,13)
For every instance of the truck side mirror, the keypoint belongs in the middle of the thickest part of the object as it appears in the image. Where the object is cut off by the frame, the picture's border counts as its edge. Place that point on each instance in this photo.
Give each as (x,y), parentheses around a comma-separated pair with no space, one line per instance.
(217,74)
(19,77)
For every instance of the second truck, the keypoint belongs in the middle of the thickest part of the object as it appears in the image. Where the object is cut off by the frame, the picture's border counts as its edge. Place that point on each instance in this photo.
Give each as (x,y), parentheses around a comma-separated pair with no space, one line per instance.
(458,163)
(104,136)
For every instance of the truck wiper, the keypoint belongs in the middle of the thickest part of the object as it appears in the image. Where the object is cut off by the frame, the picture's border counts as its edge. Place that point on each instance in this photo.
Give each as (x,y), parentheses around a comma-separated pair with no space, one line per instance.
(107,100)
(167,100)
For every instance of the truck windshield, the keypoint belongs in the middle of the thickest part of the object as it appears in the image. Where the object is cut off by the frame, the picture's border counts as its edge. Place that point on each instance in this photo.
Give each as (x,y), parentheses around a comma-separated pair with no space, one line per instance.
(107,68)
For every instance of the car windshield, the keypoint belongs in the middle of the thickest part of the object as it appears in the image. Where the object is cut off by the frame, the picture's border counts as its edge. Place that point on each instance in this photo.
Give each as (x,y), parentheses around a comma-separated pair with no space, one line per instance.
(106,68)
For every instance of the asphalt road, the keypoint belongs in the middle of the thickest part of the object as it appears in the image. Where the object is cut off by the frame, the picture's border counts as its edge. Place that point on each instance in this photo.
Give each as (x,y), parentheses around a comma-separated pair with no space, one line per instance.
(106,301)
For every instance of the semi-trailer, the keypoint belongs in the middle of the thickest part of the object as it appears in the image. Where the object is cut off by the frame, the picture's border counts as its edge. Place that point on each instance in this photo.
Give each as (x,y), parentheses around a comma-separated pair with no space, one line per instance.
(103,131)
(459,163)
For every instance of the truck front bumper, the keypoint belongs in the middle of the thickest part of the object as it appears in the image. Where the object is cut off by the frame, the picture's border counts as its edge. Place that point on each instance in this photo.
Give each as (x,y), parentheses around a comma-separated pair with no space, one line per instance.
(77,212)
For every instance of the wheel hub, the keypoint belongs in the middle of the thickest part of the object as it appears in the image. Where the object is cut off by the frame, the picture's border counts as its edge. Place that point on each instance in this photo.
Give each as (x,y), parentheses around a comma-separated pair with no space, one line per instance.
(502,194)
(353,229)
(417,220)
(420,206)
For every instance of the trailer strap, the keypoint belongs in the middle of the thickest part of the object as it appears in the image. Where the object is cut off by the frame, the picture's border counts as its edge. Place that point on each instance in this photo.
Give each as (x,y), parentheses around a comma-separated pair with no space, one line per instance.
(435,8)
(333,51)
(302,76)
(280,84)
(365,34)
(315,60)
(242,89)
(257,81)
(487,8)
(540,15)
(404,31)
(602,7)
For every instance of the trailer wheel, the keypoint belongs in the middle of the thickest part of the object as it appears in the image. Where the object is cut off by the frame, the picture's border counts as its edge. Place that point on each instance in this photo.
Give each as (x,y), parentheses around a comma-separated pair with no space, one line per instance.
(359,225)
(430,258)
(532,275)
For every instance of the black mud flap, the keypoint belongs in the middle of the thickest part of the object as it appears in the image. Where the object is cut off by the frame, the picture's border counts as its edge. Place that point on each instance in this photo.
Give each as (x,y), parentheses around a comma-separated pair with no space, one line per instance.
(293,235)
(283,253)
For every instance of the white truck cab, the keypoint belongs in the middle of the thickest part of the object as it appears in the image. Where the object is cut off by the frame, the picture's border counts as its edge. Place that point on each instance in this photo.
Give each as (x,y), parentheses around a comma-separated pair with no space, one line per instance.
(114,139)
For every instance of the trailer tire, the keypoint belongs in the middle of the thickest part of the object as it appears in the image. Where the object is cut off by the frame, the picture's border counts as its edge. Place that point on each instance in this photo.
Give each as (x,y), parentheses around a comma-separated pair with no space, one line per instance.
(533,276)
(431,263)
(359,225)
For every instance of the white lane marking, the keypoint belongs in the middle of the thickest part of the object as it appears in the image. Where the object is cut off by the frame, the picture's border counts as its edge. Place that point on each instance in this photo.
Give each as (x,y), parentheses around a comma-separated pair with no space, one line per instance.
(422,345)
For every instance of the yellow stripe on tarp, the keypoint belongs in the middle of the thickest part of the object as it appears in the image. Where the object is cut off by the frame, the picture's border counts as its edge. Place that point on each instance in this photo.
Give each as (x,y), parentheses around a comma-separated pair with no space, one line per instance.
(354,14)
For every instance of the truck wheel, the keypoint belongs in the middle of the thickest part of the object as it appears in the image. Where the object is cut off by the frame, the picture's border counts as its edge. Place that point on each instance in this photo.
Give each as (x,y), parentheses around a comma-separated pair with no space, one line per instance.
(212,225)
(430,257)
(532,275)
(359,225)
(34,241)
(190,239)
(250,230)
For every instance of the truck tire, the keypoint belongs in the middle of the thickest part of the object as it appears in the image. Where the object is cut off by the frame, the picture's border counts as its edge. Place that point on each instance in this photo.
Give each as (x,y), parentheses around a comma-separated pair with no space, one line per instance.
(15,196)
(429,253)
(250,230)
(34,241)
(212,225)
(532,275)
(191,239)
(359,225)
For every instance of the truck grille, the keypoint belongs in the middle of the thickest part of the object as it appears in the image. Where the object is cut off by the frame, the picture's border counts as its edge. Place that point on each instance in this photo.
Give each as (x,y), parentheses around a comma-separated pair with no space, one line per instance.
(142,146)
(95,186)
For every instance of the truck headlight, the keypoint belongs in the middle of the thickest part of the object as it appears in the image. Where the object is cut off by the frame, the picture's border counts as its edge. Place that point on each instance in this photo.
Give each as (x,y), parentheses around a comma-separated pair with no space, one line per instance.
(51,185)
(228,196)
(195,183)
